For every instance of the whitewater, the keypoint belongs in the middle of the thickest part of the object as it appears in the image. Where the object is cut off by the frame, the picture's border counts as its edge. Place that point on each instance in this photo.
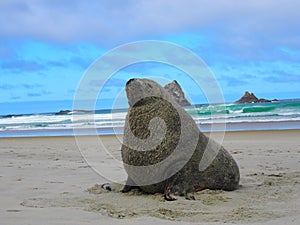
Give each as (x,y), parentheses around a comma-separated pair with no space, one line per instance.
(284,114)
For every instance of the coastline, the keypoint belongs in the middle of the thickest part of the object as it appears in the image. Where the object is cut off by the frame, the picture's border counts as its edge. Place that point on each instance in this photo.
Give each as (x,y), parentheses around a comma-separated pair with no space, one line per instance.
(110,135)
(227,127)
(282,115)
(46,179)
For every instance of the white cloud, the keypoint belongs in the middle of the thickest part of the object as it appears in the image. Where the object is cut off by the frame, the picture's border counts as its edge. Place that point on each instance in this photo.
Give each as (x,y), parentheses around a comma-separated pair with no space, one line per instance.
(238,22)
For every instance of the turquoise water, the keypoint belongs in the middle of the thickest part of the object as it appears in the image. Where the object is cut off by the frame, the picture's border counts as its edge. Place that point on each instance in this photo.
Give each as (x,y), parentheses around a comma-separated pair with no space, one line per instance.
(284,114)
(284,110)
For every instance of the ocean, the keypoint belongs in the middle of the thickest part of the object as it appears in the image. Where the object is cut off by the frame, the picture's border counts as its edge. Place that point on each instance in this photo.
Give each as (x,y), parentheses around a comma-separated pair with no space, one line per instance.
(281,115)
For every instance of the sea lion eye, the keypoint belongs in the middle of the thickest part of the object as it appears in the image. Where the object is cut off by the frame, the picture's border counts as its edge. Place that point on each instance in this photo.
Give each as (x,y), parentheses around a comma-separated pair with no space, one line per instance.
(149,85)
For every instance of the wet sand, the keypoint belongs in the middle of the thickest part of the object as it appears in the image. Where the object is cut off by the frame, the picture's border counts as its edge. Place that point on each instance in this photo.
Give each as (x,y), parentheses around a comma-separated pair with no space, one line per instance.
(45,180)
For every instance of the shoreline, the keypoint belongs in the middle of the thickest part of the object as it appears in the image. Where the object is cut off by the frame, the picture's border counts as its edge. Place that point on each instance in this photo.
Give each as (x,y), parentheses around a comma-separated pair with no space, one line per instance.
(108,135)
(226,133)
(227,127)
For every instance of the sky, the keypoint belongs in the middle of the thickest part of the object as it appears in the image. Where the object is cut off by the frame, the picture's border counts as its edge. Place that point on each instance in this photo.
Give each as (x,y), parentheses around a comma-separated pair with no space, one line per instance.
(46,46)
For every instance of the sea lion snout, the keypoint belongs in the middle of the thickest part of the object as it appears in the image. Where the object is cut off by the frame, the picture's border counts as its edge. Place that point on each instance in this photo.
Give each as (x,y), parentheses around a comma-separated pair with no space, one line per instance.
(134,91)
(128,82)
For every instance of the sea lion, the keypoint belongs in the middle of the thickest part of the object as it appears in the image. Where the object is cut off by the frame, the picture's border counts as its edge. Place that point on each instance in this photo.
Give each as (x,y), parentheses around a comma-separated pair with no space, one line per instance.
(163,147)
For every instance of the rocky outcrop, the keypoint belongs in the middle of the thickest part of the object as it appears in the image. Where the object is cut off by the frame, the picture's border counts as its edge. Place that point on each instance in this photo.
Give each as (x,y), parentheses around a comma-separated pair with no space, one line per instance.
(251,98)
(64,112)
(68,112)
(264,100)
(176,92)
(163,150)
(11,116)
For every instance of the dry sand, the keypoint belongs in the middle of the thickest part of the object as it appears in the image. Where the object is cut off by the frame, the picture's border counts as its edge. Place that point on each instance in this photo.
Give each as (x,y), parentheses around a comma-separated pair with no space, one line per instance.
(45,180)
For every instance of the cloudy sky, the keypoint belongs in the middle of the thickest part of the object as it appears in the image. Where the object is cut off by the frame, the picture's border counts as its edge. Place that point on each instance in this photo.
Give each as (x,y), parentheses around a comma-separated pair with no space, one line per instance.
(47,45)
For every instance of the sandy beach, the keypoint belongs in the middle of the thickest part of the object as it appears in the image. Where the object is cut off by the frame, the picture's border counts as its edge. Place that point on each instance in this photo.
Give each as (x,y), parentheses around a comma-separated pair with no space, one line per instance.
(45,180)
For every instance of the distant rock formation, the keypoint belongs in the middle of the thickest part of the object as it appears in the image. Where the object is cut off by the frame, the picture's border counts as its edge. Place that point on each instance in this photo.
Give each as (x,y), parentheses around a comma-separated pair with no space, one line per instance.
(251,98)
(63,112)
(11,115)
(176,92)
(68,112)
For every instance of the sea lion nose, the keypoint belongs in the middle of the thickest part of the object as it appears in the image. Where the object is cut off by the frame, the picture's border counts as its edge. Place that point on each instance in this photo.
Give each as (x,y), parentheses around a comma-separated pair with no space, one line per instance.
(128,82)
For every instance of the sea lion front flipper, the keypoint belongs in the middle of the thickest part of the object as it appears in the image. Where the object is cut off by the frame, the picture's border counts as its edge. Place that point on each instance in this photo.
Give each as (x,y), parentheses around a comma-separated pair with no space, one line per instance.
(167,193)
(190,197)
(128,186)
(187,196)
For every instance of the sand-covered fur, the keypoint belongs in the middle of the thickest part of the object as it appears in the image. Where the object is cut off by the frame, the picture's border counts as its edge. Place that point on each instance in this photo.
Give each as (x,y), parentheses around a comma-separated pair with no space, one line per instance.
(148,101)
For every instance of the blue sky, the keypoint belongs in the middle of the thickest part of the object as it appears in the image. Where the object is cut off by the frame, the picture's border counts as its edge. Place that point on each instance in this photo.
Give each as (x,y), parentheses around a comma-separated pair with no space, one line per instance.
(46,46)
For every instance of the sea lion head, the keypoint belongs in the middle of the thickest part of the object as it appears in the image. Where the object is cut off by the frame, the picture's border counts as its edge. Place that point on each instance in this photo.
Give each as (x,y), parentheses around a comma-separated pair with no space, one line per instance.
(137,89)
